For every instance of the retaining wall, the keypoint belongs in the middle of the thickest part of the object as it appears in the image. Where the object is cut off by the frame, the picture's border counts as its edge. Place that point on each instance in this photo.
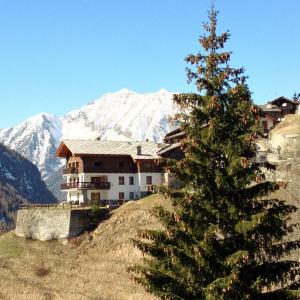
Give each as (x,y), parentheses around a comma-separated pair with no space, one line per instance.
(46,224)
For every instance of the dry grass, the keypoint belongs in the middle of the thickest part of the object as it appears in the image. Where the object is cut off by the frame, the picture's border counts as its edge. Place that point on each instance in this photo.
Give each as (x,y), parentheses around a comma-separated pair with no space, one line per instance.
(291,125)
(41,271)
(92,266)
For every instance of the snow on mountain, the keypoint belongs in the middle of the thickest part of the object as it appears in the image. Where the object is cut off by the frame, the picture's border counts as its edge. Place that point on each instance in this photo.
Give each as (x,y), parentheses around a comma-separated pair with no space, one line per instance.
(36,139)
(123,115)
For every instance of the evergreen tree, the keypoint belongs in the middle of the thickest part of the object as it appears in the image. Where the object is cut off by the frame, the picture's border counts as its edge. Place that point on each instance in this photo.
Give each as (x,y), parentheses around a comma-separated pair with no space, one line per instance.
(296,96)
(224,239)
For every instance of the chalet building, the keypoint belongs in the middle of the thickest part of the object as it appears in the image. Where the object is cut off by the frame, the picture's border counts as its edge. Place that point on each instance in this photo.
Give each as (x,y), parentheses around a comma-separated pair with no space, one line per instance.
(172,149)
(286,105)
(106,171)
(275,111)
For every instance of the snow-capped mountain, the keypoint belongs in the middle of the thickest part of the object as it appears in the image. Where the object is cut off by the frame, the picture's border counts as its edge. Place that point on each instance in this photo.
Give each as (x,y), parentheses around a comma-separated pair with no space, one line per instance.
(36,139)
(123,115)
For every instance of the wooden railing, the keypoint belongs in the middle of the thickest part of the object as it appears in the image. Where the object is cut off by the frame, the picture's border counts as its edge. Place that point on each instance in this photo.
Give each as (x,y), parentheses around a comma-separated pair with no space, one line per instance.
(86,185)
(48,206)
(71,170)
(71,205)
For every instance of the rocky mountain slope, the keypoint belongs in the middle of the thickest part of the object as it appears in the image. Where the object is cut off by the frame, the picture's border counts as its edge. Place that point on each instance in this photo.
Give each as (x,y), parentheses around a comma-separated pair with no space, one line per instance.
(124,115)
(20,182)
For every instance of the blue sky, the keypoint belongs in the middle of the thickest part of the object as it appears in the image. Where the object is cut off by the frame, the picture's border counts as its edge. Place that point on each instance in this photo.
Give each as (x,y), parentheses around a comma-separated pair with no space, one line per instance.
(58,55)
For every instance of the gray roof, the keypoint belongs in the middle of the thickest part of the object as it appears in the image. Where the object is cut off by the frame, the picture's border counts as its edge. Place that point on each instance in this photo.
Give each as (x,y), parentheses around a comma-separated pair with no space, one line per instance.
(88,147)
(168,148)
(176,135)
(274,108)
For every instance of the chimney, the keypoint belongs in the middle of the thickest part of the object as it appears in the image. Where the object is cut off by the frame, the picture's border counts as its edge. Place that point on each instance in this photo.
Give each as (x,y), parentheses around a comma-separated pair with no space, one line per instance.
(139,150)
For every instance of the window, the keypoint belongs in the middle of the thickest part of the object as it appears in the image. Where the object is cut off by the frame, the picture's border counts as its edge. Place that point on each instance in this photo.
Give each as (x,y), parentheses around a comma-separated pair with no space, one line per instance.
(148,179)
(121,180)
(121,196)
(103,179)
(131,195)
(131,180)
(77,165)
(95,179)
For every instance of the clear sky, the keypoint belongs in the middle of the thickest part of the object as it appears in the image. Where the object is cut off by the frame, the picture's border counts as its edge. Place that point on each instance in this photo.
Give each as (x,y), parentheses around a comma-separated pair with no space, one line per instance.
(58,55)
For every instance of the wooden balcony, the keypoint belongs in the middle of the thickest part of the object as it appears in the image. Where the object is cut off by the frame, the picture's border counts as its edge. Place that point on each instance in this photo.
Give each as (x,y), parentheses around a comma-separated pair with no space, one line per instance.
(71,170)
(86,186)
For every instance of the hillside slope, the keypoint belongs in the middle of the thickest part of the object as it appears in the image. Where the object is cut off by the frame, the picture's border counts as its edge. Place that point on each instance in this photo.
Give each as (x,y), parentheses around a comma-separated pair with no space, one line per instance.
(286,135)
(10,200)
(92,266)
(20,181)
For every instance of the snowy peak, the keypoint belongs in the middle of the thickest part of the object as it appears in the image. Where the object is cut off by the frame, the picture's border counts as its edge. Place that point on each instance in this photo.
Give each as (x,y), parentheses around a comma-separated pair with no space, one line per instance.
(124,91)
(124,115)
(36,139)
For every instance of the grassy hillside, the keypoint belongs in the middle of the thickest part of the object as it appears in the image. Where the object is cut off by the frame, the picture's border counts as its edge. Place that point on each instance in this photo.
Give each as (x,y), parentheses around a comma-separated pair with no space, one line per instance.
(92,266)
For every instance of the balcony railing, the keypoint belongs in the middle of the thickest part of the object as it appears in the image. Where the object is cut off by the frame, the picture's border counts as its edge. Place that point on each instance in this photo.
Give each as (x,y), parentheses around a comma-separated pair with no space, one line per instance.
(71,170)
(86,185)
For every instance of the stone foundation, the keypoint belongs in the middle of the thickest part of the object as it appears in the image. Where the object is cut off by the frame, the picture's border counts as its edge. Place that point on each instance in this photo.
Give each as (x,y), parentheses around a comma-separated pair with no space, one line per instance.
(47,224)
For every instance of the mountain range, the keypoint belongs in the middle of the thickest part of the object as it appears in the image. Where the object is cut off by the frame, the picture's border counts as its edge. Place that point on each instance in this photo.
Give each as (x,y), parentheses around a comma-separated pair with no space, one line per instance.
(20,182)
(123,115)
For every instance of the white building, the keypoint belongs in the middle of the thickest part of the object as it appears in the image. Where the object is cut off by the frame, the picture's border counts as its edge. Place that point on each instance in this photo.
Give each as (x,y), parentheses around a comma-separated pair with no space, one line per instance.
(109,171)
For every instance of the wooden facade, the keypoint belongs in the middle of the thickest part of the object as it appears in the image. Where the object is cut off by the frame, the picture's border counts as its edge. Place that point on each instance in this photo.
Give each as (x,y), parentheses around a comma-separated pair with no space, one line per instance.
(110,164)
(286,105)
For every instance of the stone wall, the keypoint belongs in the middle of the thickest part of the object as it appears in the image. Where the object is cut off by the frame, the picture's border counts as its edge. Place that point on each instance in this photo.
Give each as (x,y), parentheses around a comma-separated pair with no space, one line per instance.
(46,224)
(288,170)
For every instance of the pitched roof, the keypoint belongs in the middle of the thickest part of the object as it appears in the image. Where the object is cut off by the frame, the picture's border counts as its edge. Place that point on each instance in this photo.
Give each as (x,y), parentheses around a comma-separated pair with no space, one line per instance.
(87,147)
(284,99)
(175,131)
(180,134)
(274,108)
(168,148)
